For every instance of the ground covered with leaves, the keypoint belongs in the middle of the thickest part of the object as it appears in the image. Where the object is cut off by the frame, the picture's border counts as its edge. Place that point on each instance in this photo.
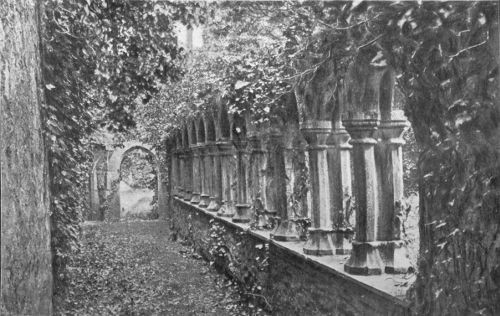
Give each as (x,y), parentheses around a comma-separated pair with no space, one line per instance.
(133,268)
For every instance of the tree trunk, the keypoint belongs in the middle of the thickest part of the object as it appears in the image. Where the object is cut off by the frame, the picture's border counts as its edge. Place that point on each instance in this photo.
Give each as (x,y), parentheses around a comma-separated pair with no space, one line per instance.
(26,274)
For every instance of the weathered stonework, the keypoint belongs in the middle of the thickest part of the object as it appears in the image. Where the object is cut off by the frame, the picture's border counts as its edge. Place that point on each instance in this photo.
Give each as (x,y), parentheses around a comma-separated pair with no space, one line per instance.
(290,282)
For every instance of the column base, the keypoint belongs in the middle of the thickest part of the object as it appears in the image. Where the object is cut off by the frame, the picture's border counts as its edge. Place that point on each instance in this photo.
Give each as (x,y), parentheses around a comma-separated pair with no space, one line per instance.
(286,230)
(179,193)
(226,210)
(397,261)
(195,199)
(187,196)
(365,259)
(204,200)
(242,214)
(213,206)
(342,241)
(262,221)
(319,242)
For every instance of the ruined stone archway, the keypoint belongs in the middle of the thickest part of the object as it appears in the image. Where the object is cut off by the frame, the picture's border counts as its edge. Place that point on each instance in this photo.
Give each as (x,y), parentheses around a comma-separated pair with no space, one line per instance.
(110,162)
(113,176)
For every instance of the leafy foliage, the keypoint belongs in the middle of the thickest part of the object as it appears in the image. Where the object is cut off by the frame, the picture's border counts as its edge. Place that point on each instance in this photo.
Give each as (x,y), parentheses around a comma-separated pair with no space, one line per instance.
(98,56)
(137,170)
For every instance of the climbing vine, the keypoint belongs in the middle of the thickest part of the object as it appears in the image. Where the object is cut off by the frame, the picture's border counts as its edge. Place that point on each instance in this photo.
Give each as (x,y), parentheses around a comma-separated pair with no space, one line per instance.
(241,258)
(98,58)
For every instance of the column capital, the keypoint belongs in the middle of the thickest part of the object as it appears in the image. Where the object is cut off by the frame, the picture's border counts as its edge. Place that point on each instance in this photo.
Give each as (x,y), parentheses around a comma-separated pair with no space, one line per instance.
(255,144)
(211,148)
(240,144)
(361,124)
(340,138)
(392,129)
(195,149)
(202,148)
(316,132)
(224,146)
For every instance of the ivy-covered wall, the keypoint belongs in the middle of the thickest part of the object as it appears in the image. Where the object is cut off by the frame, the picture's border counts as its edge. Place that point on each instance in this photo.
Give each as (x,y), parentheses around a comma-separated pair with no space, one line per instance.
(272,275)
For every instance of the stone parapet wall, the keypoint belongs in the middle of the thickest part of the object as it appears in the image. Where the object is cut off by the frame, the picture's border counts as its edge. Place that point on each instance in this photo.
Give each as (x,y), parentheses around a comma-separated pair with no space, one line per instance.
(279,275)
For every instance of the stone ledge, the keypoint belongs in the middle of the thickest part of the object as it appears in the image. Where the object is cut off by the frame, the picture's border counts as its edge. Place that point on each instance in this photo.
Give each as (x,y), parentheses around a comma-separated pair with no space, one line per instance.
(385,285)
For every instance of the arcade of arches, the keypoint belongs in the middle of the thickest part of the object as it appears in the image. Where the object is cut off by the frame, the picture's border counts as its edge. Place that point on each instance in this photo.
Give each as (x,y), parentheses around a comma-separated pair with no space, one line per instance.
(252,178)
(244,196)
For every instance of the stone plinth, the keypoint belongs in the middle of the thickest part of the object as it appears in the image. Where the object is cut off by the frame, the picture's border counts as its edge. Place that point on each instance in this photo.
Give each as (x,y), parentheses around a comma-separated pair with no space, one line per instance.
(286,230)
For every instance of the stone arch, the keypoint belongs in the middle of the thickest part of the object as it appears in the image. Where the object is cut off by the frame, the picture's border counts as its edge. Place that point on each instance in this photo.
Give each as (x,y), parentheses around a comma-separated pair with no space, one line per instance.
(192,133)
(362,86)
(113,176)
(386,95)
(178,139)
(97,183)
(315,95)
(238,127)
(185,137)
(201,131)
(224,124)
(210,128)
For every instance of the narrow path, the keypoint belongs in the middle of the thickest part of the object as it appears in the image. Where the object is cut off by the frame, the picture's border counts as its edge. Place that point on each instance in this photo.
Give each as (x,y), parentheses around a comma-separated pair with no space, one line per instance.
(132,268)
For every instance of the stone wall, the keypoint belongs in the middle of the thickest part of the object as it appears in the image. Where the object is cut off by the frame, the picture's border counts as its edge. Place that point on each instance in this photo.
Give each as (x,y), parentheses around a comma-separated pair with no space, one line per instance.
(276,274)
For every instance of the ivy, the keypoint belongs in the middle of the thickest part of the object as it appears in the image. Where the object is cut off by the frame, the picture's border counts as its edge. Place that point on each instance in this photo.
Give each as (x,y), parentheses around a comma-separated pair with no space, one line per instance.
(98,58)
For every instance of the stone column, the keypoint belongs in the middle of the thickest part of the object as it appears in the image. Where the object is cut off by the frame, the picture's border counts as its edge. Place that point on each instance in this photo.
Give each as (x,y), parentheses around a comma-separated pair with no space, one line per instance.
(214,174)
(243,214)
(204,197)
(173,172)
(320,233)
(257,181)
(339,169)
(365,257)
(178,175)
(180,171)
(196,177)
(188,174)
(227,208)
(287,229)
(389,159)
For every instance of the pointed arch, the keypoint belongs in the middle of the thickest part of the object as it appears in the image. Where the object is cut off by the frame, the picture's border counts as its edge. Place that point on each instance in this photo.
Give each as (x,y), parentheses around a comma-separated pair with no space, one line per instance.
(210,126)
(192,133)
(201,131)
(225,125)
(185,137)
(238,127)
(386,95)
